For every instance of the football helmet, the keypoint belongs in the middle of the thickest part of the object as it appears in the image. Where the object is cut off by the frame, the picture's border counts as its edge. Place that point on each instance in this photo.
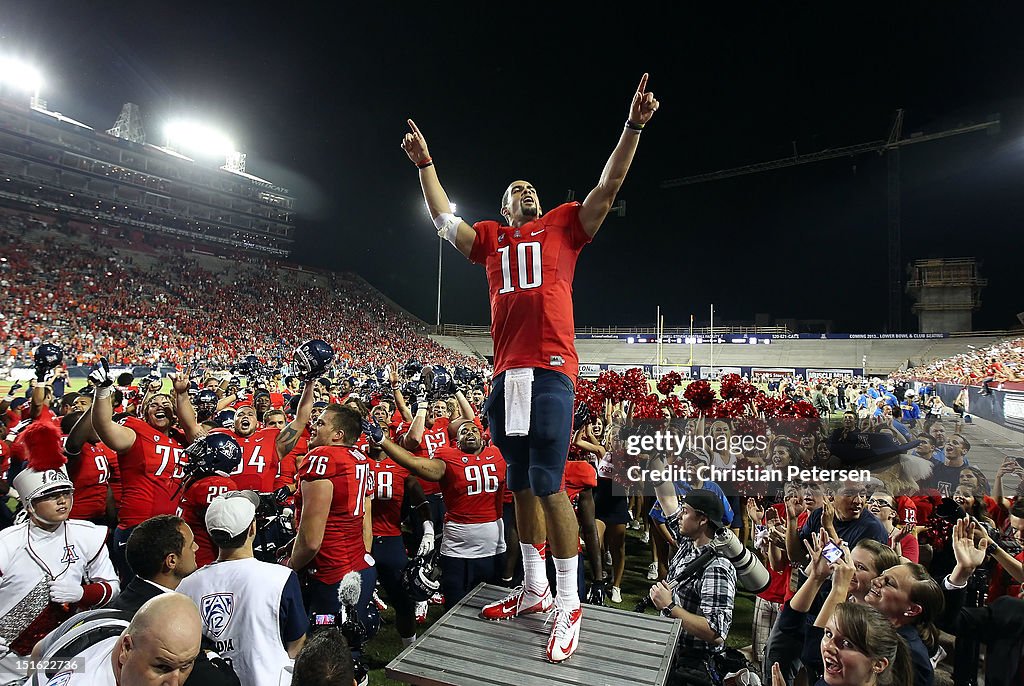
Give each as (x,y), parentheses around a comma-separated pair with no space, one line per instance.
(206,404)
(215,453)
(312,358)
(421,577)
(247,366)
(224,418)
(442,381)
(46,357)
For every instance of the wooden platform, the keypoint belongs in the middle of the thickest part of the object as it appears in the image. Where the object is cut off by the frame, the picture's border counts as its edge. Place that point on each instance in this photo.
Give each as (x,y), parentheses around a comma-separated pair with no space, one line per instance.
(617,648)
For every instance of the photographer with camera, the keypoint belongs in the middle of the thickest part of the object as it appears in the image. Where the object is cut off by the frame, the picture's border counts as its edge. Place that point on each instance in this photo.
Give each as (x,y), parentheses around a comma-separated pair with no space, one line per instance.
(251,610)
(704,599)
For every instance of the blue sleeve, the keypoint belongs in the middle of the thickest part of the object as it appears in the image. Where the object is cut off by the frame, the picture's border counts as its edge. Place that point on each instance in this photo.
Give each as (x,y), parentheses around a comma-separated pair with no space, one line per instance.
(729,514)
(293,618)
(812,525)
(657,514)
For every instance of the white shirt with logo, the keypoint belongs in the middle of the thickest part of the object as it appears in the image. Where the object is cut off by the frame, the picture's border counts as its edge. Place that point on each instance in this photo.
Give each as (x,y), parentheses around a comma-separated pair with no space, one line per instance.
(240,605)
(76,551)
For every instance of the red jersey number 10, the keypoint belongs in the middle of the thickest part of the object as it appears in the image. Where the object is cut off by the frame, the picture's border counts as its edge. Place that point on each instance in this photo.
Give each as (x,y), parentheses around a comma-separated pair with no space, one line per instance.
(528,261)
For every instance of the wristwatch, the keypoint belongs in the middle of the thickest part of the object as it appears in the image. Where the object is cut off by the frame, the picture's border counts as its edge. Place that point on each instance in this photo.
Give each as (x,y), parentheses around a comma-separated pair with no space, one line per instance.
(667,610)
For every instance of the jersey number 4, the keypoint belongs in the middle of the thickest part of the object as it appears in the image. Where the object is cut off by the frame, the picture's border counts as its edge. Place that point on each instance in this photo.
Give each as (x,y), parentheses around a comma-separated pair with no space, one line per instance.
(528,261)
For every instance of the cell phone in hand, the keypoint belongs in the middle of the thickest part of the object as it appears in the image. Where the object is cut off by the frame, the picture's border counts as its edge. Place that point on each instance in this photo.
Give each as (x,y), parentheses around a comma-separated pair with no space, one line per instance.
(831,552)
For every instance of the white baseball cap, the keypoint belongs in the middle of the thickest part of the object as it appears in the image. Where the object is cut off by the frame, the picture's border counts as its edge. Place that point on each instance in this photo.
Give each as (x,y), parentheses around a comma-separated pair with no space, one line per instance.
(232,512)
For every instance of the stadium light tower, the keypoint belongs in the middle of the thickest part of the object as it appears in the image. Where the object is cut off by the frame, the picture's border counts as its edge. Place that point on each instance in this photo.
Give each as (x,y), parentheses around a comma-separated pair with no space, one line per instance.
(205,140)
(22,77)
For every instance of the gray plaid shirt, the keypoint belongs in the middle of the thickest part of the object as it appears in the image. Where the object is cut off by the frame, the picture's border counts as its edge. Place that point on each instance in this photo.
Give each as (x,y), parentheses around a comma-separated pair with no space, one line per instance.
(710,594)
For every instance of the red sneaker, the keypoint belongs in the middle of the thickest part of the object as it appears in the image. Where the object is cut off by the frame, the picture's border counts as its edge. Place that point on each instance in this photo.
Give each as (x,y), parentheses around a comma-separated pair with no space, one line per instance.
(565,634)
(518,602)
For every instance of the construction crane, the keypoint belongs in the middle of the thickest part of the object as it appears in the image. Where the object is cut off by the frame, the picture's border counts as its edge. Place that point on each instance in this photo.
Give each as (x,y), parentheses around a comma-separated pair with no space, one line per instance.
(889,147)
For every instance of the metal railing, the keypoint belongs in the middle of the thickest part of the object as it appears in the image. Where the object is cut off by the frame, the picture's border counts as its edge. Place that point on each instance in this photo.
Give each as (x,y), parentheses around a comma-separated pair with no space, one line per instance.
(467,330)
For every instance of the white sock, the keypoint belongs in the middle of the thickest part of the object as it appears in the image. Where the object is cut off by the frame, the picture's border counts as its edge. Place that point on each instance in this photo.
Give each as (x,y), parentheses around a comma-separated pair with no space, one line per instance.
(535,573)
(567,581)
(406,642)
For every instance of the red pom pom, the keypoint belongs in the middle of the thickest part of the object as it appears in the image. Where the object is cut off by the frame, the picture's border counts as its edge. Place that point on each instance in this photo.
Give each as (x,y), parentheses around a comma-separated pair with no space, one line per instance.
(701,396)
(634,384)
(647,407)
(609,386)
(586,394)
(668,383)
(674,405)
(43,446)
(735,388)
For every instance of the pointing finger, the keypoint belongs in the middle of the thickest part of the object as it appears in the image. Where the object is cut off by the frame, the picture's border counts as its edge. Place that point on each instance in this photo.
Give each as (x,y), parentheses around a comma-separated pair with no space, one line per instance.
(412,125)
(643,84)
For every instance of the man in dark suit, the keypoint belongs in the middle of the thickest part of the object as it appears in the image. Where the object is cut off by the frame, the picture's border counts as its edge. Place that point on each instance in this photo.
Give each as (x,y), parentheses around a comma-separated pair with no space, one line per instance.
(161,551)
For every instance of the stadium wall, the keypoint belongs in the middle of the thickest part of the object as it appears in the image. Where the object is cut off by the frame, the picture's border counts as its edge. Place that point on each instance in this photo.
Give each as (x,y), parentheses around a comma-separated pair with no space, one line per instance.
(1005,407)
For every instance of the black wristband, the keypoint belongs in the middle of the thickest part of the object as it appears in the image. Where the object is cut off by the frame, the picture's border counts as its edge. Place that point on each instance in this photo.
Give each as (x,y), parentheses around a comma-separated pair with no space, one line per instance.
(634,127)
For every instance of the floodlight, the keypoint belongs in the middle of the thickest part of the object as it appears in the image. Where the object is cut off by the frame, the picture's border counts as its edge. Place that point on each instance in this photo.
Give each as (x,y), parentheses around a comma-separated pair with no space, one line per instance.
(187,134)
(452,205)
(19,75)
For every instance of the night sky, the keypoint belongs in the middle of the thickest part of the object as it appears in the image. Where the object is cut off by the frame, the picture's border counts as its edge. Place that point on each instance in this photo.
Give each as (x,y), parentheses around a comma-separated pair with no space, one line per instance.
(318,98)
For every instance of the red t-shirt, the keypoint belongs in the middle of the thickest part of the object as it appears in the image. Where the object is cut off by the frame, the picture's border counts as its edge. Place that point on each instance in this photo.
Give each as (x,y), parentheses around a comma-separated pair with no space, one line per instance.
(193,506)
(389,490)
(349,471)
(259,466)
(92,473)
(434,438)
(150,471)
(473,485)
(529,274)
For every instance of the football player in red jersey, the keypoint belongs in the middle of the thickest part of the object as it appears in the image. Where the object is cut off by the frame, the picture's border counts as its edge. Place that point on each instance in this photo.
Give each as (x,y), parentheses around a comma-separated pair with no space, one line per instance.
(148,454)
(210,461)
(333,507)
(262,448)
(530,263)
(393,485)
(472,479)
(92,466)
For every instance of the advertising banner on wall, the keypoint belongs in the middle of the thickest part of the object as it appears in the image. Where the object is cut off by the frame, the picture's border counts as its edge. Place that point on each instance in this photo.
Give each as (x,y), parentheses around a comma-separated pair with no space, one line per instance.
(766,374)
(827,373)
(718,372)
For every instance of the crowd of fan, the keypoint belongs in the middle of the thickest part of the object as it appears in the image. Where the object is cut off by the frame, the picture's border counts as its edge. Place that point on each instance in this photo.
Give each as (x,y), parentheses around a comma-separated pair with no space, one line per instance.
(176,309)
(997,363)
(934,475)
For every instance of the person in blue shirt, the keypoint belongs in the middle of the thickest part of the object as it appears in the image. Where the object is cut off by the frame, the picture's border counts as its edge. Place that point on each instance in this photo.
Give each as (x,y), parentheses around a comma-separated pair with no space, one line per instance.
(911,410)
(694,459)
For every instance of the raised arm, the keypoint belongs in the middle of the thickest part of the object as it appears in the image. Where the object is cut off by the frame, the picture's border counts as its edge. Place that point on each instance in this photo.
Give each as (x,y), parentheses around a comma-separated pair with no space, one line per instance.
(183,407)
(599,201)
(423,467)
(290,434)
(78,436)
(396,390)
(464,406)
(118,438)
(457,232)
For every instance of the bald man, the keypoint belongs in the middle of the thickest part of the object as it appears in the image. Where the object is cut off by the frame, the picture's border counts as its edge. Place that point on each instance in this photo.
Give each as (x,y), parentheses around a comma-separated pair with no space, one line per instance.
(157,648)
